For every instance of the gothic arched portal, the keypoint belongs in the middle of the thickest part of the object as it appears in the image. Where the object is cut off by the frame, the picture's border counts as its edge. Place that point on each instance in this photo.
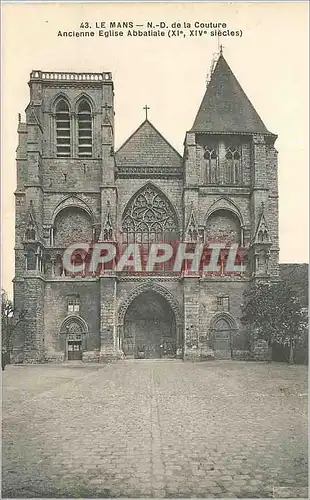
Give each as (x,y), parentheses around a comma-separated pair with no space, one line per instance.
(149,327)
(73,337)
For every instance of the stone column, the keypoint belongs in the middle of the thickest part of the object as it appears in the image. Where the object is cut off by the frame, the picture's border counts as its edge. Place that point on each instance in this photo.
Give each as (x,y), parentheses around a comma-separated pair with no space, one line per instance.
(109,349)
(37,260)
(53,267)
(221,162)
(74,134)
(191,318)
(52,236)
(53,148)
(242,237)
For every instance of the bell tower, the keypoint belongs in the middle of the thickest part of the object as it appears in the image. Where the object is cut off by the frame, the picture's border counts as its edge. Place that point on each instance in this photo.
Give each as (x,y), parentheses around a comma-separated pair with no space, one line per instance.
(230,153)
(230,196)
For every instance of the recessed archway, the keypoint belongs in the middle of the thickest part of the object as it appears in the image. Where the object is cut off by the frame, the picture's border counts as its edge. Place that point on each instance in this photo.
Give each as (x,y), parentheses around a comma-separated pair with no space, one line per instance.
(149,327)
(223,328)
(149,323)
(223,225)
(72,337)
(72,225)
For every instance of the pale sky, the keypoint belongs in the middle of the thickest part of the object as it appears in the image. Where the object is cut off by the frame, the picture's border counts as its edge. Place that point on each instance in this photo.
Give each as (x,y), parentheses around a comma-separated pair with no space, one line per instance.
(270,61)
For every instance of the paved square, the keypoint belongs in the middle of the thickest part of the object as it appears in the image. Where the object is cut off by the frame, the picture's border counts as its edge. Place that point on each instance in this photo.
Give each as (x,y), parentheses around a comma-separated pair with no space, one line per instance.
(155,429)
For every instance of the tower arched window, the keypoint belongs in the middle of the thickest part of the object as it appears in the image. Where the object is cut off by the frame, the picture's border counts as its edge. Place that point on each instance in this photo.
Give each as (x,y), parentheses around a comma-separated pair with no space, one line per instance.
(85,133)
(211,165)
(233,165)
(31,260)
(63,129)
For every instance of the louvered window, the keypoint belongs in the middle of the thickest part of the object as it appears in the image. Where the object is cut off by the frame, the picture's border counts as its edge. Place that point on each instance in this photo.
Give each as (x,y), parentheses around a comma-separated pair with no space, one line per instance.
(63,135)
(85,130)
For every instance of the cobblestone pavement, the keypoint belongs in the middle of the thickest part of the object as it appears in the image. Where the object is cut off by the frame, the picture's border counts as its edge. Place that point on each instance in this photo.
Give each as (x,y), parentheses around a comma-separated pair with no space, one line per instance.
(155,429)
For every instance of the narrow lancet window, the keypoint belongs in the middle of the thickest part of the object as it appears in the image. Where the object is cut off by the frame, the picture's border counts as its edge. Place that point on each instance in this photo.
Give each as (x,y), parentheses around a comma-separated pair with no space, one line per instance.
(211,165)
(233,166)
(63,134)
(85,130)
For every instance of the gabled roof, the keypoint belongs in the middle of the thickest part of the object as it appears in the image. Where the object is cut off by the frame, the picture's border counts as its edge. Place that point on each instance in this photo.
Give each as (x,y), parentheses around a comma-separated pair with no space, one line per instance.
(146,147)
(225,107)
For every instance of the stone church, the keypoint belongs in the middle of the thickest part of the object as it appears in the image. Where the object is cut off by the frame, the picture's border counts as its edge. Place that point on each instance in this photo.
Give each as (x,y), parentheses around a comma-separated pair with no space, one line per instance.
(73,186)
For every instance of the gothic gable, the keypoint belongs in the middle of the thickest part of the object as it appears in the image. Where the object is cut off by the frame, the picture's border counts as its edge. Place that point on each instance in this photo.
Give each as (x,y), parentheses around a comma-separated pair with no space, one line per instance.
(262,233)
(192,233)
(32,115)
(148,154)
(72,201)
(225,203)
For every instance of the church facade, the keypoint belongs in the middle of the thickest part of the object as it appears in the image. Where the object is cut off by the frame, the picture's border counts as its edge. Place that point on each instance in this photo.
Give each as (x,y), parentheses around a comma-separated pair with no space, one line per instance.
(73,186)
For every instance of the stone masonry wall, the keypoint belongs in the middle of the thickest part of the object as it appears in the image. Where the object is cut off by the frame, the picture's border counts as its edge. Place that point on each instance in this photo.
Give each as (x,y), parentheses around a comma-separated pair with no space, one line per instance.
(56,310)
(34,319)
(210,289)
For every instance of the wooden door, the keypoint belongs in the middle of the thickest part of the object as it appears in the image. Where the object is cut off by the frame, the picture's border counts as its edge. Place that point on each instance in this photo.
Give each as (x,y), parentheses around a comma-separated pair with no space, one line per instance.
(149,329)
(74,350)
(222,340)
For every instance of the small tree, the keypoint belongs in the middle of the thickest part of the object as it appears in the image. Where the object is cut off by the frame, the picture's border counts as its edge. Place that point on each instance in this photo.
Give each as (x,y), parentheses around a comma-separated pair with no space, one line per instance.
(275,314)
(10,319)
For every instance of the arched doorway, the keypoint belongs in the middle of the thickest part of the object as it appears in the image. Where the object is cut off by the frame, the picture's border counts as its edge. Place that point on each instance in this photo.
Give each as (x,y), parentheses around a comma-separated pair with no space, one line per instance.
(72,338)
(149,329)
(223,328)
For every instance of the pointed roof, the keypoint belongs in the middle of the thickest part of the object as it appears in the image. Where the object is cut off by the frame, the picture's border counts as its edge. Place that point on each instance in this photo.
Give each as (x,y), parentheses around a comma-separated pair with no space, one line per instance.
(146,147)
(225,107)
(192,224)
(191,227)
(262,233)
(33,117)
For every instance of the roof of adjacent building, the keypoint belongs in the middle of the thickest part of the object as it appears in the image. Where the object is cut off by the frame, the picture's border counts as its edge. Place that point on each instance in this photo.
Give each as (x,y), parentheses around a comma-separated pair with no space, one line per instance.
(225,108)
(146,147)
